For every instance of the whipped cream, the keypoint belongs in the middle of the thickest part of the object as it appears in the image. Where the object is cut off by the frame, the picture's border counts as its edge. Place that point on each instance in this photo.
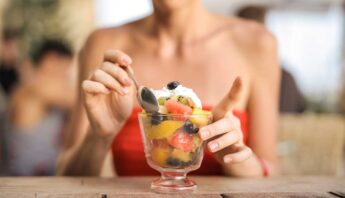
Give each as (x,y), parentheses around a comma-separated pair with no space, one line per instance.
(178,91)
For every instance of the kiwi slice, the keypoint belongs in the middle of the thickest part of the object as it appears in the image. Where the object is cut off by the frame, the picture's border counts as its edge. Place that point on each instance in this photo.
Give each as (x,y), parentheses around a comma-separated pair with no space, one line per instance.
(162,100)
(184,100)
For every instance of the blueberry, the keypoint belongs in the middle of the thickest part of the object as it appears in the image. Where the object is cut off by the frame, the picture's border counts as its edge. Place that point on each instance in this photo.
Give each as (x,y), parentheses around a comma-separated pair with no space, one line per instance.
(177,163)
(173,162)
(190,128)
(172,85)
(157,118)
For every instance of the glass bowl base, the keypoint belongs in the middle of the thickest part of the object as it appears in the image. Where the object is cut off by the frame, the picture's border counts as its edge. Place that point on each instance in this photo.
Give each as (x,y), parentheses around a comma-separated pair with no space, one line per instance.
(173,185)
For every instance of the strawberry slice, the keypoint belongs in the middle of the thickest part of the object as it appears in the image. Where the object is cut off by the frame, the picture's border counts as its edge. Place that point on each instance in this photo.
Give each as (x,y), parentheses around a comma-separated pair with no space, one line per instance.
(181,140)
(160,143)
(174,107)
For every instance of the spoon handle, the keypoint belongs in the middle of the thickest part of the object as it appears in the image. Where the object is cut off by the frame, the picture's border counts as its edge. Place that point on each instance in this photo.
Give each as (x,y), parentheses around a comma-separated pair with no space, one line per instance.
(131,76)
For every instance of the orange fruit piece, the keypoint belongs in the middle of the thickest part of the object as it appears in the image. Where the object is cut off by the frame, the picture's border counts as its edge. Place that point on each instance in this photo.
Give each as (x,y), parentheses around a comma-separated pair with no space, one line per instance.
(160,155)
(164,129)
(200,120)
(181,155)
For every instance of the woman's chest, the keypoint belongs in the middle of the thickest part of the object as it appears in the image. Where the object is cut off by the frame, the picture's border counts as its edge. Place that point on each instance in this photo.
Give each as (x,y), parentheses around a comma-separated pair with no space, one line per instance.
(210,73)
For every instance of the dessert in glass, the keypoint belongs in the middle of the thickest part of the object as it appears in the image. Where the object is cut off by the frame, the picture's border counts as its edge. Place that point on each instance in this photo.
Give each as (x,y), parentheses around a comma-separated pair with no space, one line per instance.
(171,140)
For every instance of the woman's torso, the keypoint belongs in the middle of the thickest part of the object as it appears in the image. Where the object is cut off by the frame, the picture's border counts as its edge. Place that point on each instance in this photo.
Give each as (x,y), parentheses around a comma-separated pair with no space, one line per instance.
(208,66)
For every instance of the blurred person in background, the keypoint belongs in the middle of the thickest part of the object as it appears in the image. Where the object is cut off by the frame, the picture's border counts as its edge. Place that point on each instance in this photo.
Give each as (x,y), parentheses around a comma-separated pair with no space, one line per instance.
(9,57)
(9,77)
(38,110)
(180,41)
(291,98)
(3,105)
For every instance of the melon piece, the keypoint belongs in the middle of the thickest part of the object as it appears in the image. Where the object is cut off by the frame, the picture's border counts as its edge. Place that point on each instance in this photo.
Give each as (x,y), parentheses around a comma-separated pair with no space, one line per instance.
(174,107)
(164,129)
(182,140)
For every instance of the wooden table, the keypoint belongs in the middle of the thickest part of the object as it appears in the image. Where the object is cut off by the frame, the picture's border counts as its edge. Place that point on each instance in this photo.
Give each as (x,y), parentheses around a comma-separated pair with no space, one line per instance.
(140,187)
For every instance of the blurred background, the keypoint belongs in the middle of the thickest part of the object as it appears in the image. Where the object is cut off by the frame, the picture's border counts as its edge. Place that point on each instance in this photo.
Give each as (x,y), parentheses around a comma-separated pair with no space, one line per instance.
(37,35)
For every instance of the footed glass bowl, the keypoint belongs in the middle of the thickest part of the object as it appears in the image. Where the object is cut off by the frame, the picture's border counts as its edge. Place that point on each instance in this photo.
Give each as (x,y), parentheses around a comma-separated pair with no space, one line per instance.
(173,147)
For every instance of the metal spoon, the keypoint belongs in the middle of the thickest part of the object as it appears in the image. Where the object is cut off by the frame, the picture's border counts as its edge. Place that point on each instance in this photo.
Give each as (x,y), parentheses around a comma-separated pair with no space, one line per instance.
(146,98)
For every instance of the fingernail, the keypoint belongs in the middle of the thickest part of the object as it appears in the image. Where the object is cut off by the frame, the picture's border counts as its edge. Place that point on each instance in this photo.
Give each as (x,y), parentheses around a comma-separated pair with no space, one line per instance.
(126,60)
(227,159)
(127,81)
(204,133)
(213,146)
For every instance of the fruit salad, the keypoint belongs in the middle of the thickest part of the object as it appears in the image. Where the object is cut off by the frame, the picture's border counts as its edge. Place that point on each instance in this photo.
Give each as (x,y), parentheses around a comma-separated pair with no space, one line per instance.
(171,135)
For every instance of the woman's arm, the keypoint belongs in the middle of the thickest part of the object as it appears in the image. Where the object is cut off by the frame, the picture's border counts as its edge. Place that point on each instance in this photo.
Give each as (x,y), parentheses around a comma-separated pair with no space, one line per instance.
(225,135)
(262,110)
(107,95)
(263,107)
(83,152)
(74,137)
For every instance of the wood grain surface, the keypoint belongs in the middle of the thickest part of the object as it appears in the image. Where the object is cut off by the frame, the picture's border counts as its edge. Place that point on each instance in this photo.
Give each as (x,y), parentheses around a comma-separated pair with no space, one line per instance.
(311,186)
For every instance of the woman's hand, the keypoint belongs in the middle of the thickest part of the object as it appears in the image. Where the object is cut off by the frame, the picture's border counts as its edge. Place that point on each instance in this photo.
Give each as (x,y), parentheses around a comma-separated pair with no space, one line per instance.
(224,136)
(109,94)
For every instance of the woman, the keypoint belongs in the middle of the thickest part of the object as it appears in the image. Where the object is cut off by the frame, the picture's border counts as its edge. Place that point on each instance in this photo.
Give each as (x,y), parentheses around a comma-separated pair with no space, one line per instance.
(184,42)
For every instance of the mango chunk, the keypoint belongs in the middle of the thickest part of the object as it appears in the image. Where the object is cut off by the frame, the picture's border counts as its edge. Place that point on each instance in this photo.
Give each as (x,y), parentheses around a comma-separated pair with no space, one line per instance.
(181,155)
(164,129)
(200,120)
(160,155)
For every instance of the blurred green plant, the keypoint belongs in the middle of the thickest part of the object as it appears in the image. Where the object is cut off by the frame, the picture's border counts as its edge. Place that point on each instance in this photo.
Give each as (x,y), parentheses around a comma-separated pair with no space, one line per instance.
(35,19)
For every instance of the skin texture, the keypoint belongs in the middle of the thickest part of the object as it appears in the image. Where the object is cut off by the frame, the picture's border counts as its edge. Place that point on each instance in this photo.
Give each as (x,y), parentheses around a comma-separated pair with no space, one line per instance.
(180,41)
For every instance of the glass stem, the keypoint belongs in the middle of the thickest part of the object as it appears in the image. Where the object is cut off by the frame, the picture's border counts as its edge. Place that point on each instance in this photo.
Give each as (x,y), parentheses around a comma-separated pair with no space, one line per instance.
(174,175)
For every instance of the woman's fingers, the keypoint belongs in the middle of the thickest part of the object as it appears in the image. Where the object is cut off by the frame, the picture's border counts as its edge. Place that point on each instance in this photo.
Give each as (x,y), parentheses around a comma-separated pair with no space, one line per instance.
(108,81)
(110,76)
(93,87)
(243,153)
(221,126)
(224,141)
(226,105)
(117,56)
(117,72)
(233,95)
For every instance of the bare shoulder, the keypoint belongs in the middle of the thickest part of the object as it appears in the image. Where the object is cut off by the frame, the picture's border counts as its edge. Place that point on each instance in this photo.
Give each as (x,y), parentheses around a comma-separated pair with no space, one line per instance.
(248,36)
(110,36)
(100,40)
(252,36)
(256,44)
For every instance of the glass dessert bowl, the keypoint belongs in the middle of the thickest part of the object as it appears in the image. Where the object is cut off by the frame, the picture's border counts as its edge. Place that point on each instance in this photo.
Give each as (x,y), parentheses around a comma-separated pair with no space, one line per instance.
(173,147)
(170,136)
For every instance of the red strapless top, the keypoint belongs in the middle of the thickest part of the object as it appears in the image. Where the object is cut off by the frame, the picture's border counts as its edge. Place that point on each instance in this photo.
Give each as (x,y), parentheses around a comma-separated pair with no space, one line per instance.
(129,157)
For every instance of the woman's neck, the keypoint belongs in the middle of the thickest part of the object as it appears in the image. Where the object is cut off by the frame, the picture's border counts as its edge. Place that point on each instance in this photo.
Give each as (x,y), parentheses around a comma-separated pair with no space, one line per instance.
(177,28)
